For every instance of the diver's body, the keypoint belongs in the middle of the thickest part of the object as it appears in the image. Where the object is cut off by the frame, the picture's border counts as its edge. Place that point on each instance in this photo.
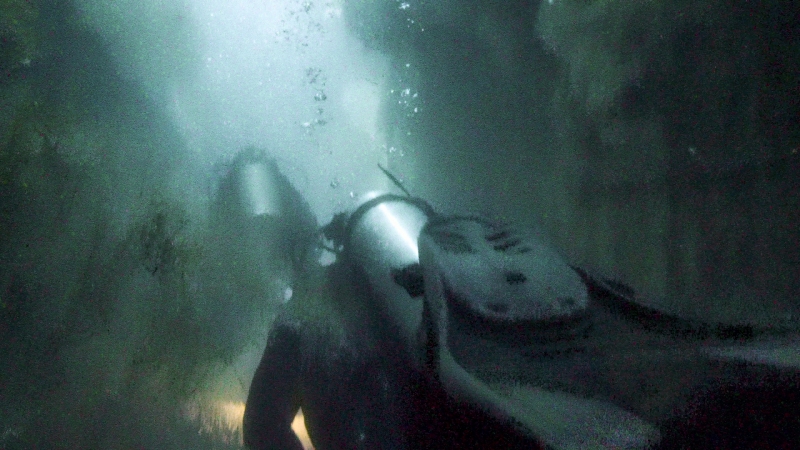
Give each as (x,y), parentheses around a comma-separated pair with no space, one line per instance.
(354,384)
(433,332)
(332,355)
(319,358)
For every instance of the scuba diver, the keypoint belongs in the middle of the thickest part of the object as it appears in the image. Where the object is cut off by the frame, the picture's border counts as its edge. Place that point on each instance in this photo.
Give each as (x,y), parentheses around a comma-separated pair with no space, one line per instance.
(448,332)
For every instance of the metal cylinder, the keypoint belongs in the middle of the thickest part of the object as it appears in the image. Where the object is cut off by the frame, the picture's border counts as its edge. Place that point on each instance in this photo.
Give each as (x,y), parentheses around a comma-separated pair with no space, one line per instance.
(259,189)
(381,240)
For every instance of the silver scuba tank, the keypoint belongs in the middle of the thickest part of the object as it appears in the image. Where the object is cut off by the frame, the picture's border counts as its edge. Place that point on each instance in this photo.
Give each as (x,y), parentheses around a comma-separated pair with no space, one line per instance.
(381,239)
(258,187)
(262,224)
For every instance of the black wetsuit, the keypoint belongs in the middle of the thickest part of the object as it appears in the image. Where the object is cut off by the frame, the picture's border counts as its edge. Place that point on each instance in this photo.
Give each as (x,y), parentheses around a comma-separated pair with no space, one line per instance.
(356,388)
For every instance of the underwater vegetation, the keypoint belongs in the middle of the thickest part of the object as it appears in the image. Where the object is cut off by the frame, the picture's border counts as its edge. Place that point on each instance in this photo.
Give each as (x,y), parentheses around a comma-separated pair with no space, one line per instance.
(20,39)
(107,333)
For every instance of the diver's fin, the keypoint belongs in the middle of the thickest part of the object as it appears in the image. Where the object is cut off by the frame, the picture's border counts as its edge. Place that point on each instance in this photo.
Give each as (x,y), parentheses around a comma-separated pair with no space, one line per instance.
(559,420)
(781,354)
(751,404)
(565,421)
(624,302)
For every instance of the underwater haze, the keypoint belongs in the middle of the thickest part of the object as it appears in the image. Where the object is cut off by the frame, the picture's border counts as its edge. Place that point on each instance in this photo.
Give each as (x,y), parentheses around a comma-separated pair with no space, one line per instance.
(656,142)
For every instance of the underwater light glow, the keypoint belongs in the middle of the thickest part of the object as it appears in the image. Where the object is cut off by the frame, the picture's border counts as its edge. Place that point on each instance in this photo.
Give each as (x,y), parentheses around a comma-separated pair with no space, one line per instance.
(299,428)
(224,419)
(221,419)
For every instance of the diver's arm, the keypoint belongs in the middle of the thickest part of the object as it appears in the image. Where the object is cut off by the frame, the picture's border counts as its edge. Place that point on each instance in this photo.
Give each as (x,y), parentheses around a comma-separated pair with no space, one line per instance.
(274,395)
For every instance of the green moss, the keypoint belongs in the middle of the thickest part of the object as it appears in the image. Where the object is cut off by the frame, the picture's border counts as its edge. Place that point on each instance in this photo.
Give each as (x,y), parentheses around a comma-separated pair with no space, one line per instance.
(179,345)
(19,36)
(164,241)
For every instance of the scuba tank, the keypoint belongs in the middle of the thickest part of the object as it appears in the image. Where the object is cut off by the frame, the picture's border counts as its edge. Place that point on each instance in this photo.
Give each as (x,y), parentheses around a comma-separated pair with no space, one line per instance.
(262,222)
(379,240)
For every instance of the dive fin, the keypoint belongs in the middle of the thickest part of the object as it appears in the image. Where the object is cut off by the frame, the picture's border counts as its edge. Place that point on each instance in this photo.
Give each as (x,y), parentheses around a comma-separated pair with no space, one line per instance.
(564,421)
(778,354)
(559,420)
